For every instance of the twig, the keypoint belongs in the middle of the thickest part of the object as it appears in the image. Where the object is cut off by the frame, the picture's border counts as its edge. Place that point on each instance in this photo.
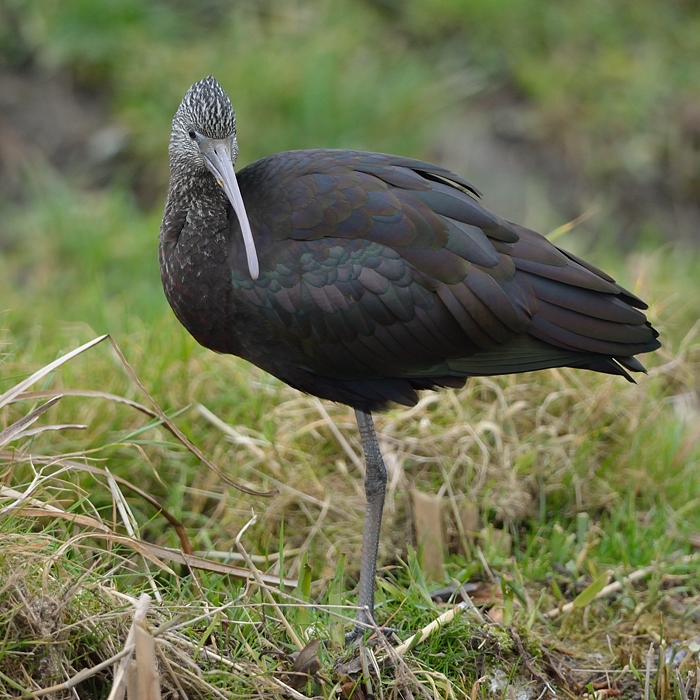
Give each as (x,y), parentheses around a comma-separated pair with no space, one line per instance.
(147,679)
(435,625)
(647,674)
(617,585)
(528,663)
(366,676)
(81,676)
(119,685)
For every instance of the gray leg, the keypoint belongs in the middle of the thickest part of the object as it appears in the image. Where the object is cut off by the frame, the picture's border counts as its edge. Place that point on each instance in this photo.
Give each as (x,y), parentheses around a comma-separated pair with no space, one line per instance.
(375,487)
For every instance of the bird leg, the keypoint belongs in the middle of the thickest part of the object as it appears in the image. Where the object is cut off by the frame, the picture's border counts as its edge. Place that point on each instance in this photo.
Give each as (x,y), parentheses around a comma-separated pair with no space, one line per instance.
(375,487)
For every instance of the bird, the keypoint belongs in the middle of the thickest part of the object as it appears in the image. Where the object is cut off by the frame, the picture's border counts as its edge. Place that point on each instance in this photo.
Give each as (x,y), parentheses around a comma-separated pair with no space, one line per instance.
(363,278)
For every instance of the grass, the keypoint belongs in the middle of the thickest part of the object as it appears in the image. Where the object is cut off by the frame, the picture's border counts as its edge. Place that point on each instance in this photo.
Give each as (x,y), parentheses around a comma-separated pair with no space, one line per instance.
(577,479)
(549,458)
(607,86)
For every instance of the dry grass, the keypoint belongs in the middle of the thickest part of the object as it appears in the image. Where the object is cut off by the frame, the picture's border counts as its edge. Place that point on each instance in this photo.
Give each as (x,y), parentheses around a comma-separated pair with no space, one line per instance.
(567,464)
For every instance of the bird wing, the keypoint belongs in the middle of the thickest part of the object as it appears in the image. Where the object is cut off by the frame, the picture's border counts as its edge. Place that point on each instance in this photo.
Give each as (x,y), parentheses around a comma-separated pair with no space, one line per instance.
(376,267)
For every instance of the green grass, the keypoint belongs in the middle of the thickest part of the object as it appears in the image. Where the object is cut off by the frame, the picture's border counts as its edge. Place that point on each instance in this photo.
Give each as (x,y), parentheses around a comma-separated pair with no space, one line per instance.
(598,478)
(610,83)
(587,474)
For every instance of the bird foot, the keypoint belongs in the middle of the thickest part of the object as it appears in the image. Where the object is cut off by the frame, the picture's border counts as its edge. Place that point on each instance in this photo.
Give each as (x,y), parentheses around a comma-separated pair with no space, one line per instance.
(358,632)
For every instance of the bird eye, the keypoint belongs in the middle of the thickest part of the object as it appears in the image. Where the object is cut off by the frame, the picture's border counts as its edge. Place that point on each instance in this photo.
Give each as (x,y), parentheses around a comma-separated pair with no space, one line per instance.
(192,134)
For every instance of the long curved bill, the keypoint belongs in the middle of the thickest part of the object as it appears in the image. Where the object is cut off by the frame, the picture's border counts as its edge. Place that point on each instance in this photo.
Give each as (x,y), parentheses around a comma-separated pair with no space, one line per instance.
(217,156)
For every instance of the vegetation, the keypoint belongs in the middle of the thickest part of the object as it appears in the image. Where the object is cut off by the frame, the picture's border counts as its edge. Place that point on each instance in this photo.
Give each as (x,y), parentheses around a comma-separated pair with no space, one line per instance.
(585,474)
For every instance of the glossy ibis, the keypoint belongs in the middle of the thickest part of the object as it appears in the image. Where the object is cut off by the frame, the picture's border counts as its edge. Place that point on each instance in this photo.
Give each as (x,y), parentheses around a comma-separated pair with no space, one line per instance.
(364,277)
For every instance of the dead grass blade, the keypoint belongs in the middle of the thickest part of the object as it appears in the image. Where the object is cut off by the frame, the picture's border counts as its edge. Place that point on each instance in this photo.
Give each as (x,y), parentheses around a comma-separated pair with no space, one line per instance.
(146,670)
(138,546)
(11,393)
(17,429)
(14,393)
(79,677)
(45,510)
(178,433)
(98,471)
(153,552)
(195,562)
(85,393)
(616,586)
(121,677)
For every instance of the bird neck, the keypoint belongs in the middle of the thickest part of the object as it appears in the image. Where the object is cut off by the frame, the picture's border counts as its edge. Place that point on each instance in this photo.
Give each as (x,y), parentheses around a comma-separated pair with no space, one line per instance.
(194,199)
(194,251)
(199,186)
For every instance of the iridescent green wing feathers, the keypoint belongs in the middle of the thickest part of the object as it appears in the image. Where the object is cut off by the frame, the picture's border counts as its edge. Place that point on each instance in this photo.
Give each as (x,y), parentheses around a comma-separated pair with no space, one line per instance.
(379,266)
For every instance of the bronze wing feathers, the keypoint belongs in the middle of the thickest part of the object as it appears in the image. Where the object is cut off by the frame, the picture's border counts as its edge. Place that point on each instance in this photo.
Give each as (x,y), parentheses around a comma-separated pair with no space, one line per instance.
(381,275)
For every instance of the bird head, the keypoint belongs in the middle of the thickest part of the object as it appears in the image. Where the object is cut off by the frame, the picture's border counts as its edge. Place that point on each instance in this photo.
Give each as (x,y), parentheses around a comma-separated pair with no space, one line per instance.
(203,138)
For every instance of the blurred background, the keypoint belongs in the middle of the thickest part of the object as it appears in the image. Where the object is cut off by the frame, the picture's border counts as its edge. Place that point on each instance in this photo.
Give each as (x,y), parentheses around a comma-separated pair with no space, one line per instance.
(555,111)
(578,119)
